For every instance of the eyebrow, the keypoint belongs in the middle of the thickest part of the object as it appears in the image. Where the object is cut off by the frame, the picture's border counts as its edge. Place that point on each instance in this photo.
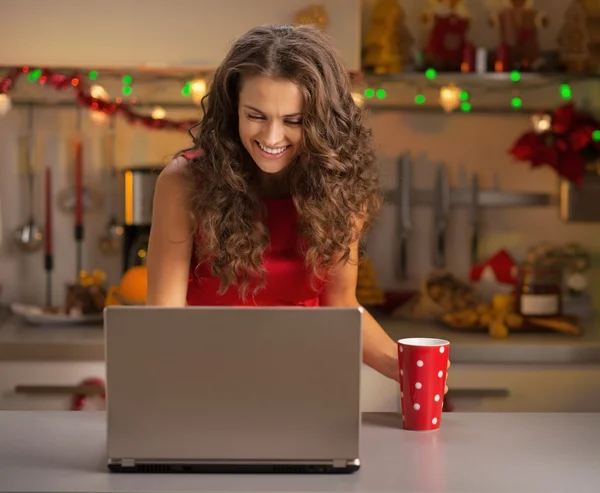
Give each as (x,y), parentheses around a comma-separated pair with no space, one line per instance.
(259,111)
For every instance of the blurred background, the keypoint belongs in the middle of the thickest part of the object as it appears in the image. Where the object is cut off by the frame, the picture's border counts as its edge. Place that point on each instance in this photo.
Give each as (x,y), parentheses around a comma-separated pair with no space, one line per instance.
(484,117)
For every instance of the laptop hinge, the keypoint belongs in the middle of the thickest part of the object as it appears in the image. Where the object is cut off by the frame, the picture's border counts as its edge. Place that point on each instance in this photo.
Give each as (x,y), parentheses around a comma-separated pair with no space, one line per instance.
(127,462)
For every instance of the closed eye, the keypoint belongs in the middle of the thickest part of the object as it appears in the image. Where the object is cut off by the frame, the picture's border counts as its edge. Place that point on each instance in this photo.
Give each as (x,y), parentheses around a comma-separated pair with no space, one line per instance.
(256,117)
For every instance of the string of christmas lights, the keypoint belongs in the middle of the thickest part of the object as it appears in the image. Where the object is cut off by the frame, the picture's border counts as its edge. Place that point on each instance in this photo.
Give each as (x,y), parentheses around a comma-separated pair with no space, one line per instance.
(94,101)
(452,96)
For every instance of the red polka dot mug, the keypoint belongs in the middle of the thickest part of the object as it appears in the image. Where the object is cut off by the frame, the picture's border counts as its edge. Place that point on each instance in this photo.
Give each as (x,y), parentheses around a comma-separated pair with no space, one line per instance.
(423,364)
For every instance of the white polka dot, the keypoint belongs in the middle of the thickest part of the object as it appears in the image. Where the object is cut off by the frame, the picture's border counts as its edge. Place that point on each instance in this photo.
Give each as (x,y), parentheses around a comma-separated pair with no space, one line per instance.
(417,407)
(418,385)
(442,349)
(401,373)
(440,373)
(436,398)
(401,349)
(434,421)
(419,363)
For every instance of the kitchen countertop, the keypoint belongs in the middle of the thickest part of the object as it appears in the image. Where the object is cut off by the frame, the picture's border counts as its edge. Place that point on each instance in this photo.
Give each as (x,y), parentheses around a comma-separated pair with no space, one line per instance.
(508,452)
(20,341)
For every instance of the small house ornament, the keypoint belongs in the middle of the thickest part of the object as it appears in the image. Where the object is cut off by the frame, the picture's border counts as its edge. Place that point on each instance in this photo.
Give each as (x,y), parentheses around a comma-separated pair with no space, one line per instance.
(579,37)
(447,22)
(518,22)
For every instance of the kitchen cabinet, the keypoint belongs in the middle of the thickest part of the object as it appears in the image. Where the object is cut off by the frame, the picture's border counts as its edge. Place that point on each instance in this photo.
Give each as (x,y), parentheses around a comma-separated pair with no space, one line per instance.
(528,388)
(61,373)
(520,388)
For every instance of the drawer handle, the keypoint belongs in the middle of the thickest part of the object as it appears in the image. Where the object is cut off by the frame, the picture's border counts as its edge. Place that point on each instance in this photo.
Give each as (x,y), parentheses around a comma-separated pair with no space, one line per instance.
(452,393)
(86,389)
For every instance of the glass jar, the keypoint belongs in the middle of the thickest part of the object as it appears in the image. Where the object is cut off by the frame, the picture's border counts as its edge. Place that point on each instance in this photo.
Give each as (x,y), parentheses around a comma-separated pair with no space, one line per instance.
(540,290)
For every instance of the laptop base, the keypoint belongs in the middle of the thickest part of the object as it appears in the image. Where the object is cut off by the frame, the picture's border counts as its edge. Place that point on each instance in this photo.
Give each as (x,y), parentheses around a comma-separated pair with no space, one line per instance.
(174,467)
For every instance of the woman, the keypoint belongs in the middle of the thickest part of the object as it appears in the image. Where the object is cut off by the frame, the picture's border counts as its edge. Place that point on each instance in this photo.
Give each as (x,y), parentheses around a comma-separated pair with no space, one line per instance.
(270,204)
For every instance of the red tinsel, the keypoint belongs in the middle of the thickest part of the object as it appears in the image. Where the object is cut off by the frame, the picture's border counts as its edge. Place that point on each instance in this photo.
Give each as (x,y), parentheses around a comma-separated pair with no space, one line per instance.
(62,82)
(566,146)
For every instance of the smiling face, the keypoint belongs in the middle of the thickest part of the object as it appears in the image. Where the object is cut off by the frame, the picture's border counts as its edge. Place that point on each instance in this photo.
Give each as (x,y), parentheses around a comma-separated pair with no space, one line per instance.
(270,121)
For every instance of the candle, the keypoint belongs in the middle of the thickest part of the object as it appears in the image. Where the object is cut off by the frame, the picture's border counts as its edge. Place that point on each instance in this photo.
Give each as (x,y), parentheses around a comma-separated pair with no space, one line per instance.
(481,60)
(501,64)
(48,226)
(78,185)
(468,58)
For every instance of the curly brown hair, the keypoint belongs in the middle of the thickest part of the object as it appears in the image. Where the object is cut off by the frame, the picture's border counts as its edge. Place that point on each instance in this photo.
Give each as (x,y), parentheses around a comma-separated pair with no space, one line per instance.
(334,180)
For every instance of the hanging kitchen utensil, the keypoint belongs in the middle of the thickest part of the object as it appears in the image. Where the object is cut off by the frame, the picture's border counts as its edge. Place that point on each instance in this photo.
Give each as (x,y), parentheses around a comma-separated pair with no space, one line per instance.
(441,215)
(28,238)
(79,232)
(48,230)
(474,218)
(110,242)
(404,223)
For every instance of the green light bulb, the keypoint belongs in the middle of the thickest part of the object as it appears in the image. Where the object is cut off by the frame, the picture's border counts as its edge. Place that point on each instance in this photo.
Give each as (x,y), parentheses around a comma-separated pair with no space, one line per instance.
(431,73)
(565,91)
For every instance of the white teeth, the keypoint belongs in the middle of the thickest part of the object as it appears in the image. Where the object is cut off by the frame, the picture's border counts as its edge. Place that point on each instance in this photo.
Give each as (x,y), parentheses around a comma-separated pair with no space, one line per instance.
(272,150)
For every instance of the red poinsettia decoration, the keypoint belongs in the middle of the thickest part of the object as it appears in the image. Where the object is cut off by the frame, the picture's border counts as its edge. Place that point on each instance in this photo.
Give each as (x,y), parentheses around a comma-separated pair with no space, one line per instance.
(570,141)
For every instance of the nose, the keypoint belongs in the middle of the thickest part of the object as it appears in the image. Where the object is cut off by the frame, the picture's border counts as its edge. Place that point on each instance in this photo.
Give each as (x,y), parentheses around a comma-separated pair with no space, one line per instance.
(273,134)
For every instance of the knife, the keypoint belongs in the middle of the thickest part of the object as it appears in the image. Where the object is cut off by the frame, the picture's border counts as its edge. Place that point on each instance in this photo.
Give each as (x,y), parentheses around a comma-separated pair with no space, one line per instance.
(474,218)
(404,222)
(441,203)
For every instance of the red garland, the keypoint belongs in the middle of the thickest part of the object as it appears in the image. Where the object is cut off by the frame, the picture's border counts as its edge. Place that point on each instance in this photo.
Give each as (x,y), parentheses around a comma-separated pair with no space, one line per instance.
(62,82)
(566,146)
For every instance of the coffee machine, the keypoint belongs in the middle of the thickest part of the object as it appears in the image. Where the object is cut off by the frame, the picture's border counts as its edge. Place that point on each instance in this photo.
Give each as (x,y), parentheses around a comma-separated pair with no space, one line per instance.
(139,183)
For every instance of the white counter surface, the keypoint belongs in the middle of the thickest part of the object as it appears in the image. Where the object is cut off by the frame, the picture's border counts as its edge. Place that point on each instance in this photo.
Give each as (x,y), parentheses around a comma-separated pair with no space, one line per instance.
(483,453)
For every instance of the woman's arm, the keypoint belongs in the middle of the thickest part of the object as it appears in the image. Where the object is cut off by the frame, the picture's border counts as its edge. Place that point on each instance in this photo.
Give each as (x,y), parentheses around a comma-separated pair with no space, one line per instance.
(171,238)
(380,352)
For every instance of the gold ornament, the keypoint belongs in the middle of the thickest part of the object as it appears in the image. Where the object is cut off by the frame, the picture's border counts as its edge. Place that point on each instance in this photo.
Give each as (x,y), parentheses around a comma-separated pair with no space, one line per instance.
(388,42)
(313,14)
(450,97)
(579,37)
(541,122)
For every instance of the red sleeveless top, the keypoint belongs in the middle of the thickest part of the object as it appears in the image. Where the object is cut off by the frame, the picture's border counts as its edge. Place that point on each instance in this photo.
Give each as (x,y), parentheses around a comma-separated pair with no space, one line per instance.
(287,281)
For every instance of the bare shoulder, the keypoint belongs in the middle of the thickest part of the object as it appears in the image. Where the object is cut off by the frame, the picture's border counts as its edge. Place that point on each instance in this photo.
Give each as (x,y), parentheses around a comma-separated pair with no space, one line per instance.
(171,214)
(175,174)
(174,182)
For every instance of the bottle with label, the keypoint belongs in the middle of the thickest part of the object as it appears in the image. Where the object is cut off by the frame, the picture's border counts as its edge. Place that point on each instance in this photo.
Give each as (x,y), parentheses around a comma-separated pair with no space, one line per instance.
(540,290)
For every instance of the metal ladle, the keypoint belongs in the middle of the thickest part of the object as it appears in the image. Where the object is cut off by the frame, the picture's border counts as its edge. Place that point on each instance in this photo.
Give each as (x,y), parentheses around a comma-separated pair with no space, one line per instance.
(110,241)
(29,237)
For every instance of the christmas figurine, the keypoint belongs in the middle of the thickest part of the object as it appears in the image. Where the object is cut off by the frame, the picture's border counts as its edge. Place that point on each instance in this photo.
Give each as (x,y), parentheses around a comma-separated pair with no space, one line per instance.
(448,22)
(579,37)
(388,43)
(518,23)
(315,15)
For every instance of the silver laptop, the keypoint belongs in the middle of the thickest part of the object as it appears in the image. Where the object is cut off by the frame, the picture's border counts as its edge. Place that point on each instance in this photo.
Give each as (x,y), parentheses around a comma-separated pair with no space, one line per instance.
(215,389)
